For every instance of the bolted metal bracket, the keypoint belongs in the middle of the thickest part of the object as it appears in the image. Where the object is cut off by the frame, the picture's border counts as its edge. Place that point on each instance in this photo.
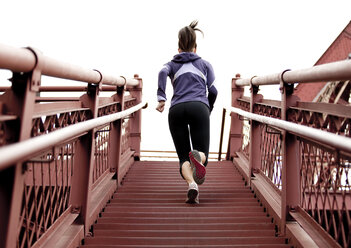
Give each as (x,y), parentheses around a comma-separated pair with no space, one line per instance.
(253,88)
(288,87)
(93,89)
(100,81)
(35,80)
(76,209)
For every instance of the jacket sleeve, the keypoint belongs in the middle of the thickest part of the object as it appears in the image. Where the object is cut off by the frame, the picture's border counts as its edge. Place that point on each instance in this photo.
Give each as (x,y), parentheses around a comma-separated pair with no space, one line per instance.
(162,81)
(212,90)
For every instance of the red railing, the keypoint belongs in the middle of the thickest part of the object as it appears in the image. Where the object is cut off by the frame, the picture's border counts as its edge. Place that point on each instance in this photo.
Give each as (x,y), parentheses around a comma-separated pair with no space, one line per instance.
(61,158)
(296,155)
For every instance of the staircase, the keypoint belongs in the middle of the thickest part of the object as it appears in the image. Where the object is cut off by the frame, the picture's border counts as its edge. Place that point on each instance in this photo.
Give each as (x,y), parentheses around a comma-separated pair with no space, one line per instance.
(149,210)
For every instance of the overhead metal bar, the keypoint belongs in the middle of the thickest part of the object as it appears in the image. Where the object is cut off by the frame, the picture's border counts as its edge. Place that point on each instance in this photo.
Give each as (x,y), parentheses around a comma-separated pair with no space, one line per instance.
(336,71)
(25,60)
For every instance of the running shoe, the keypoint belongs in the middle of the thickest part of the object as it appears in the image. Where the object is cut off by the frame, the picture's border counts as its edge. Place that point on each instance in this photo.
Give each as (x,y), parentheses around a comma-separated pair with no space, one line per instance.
(199,170)
(193,194)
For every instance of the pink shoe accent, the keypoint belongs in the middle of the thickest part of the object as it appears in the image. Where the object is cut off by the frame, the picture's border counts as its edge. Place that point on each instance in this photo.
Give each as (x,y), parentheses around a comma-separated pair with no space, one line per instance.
(198,167)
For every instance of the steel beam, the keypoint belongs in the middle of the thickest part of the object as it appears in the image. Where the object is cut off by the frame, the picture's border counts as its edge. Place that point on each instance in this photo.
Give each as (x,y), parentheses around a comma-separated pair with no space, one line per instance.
(24,60)
(336,71)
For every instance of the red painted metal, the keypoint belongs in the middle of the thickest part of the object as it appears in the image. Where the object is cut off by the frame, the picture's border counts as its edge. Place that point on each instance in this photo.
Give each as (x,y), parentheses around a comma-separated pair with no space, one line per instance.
(335,71)
(26,59)
(59,164)
(75,152)
(57,88)
(337,141)
(254,147)
(235,130)
(304,166)
(21,101)
(150,210)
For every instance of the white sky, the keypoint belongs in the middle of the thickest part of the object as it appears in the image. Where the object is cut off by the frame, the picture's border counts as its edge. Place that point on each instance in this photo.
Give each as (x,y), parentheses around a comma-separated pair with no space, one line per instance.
(137,36)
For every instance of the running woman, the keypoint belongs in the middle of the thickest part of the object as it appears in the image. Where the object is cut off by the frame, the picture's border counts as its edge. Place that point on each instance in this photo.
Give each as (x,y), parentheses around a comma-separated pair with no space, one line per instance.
(194,95)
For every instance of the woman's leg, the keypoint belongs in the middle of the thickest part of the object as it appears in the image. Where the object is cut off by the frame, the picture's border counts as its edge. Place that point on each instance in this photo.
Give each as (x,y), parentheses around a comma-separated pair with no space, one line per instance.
(178,126)
(200,129)
(187,172)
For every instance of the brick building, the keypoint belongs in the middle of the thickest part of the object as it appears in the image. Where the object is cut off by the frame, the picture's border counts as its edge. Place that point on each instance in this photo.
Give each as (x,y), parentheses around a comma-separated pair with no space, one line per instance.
(333,92)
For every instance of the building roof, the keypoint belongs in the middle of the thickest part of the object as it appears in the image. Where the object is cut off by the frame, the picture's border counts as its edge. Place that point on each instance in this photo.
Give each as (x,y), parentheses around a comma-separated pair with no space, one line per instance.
(338,50)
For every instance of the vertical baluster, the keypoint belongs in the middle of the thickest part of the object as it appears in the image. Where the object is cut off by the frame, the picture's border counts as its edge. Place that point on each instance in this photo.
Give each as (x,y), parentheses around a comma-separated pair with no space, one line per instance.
(255,134)
(20,101)
(135,122)
(115,137)
(236,128)
(84,163)
(291,189)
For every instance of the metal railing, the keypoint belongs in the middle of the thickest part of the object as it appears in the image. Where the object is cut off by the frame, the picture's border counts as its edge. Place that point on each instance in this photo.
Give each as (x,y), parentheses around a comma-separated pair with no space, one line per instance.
(296,155)
(61,159)
(27,59)
(28,148)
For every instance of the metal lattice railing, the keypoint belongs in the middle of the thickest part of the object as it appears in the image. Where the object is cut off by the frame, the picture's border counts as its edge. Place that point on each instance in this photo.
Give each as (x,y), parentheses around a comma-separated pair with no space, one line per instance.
(57,153)
(271,154)
(325,186)
(317,170)
(46,194)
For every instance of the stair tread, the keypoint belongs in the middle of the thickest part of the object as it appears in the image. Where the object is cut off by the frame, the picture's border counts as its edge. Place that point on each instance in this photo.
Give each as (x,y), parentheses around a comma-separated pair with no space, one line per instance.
(149,209)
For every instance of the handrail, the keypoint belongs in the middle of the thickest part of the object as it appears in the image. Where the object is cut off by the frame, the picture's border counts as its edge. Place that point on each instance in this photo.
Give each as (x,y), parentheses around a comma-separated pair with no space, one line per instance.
(10,155)
(70,88)
(25,60)
(337,141)
(336,71)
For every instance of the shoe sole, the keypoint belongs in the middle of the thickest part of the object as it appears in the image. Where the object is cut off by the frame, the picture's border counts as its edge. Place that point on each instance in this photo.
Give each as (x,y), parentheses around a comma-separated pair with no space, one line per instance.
(192,194)
(199,170)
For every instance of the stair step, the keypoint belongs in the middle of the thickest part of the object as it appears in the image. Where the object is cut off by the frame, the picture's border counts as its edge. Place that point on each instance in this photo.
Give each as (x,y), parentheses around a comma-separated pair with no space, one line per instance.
(192,246)
(188,227)
(198,214)
(176,207)
(183,233)
(189,241)
(149,210)
(204,220)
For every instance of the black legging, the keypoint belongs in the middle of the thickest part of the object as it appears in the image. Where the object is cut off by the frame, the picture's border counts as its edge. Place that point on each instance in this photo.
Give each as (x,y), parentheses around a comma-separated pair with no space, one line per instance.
(193,117)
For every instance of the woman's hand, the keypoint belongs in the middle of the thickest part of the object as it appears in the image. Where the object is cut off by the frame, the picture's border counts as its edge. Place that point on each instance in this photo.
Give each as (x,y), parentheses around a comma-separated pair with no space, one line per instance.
(161,106)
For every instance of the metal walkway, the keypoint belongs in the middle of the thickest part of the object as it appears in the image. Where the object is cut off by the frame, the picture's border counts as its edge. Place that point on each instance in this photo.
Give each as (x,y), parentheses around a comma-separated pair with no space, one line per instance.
(149,210)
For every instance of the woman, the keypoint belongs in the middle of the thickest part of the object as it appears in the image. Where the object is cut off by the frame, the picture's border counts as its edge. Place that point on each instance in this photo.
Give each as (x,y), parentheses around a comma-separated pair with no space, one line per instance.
(192,102)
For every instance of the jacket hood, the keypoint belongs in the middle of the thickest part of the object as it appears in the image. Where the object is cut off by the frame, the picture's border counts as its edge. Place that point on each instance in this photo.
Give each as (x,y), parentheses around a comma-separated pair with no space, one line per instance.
(185,57)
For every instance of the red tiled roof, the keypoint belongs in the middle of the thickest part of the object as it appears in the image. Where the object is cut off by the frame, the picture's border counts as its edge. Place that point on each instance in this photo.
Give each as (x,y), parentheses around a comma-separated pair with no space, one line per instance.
(338,50)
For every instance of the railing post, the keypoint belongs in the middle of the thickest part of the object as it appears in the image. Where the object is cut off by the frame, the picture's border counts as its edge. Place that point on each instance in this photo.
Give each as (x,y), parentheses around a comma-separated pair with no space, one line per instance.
(255,135)
(290,160)
(236,128)
(20,102)
(84,162)
(116,137)
(135,129)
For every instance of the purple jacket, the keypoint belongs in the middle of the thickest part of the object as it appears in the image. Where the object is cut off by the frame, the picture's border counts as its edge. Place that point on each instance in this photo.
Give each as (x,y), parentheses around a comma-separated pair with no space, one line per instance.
(192,79)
